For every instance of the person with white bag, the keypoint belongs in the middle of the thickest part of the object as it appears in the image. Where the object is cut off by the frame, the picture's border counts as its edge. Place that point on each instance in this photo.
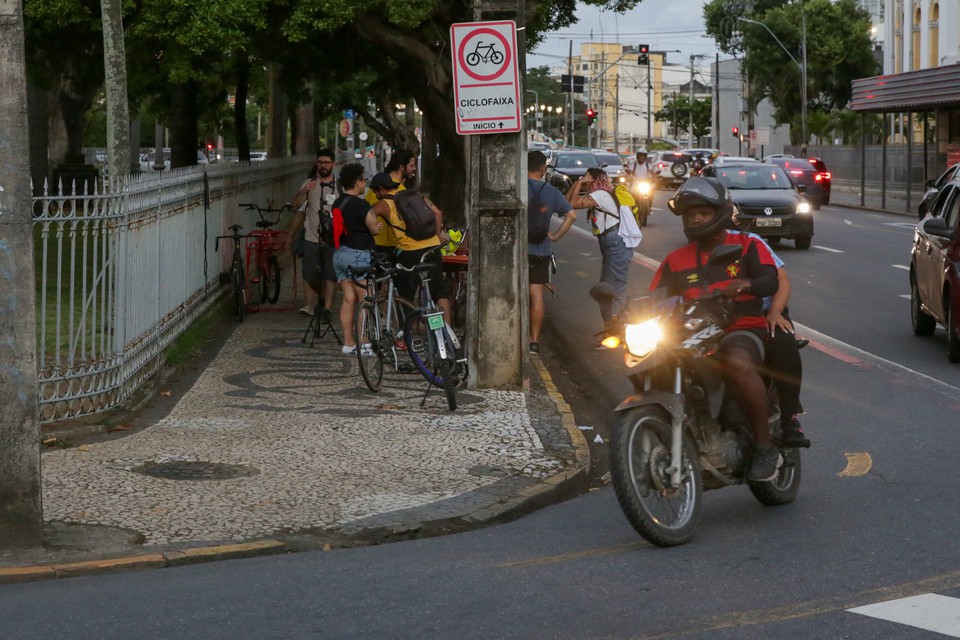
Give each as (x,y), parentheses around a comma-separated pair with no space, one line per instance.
(616,231)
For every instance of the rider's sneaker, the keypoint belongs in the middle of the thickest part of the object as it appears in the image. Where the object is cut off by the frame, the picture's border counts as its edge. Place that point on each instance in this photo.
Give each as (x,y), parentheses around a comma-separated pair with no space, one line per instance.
(791,434)
(766,462)
(534,348)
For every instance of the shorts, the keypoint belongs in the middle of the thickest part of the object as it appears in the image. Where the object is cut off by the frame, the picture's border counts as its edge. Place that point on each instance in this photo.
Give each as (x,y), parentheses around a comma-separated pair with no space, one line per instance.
(358,260)
(539,269)
(749,341)
(318,262)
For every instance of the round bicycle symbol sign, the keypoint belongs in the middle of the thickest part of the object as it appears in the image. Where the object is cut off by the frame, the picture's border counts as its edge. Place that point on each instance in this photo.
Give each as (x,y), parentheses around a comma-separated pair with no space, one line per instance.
(490,53)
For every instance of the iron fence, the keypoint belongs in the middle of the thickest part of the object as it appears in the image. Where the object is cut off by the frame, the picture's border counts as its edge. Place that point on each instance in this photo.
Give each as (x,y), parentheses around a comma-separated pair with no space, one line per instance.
(124,269)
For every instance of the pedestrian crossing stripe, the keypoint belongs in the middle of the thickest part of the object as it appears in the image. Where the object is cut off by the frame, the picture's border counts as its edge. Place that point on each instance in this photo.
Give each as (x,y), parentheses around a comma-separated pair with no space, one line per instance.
(929,611)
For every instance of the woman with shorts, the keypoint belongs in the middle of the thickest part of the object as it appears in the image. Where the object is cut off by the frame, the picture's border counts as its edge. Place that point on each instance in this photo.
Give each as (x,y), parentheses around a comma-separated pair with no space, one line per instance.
(354,226)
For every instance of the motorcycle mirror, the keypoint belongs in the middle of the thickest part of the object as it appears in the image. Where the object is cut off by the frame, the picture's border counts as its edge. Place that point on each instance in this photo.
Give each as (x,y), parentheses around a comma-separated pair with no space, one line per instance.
(725,254)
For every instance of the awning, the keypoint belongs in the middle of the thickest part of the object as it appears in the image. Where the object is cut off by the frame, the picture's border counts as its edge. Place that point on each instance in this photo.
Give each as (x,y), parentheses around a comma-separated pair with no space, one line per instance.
(911,91)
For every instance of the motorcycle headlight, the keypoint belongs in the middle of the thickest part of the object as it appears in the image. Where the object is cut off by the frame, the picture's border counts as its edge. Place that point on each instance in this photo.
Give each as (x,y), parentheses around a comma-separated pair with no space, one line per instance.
(803,207)
(643,338)
(644,188)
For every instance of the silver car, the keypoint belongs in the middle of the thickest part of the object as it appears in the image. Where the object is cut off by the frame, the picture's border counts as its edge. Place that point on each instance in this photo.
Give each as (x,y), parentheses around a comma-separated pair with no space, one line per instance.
(613,165)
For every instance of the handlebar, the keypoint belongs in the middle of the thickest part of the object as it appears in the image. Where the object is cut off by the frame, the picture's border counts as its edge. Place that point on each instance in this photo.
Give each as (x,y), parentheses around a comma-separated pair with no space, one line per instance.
(264,222)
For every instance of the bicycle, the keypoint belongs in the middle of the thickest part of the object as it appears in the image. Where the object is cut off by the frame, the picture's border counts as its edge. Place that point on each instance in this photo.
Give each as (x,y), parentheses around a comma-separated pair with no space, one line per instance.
(235,276)
(263,250)
(492,55)
(431,343)
(378,322)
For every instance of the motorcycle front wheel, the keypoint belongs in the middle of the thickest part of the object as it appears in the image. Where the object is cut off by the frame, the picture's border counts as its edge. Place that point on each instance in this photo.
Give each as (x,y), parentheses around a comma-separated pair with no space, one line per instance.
(784,488)
(662,512)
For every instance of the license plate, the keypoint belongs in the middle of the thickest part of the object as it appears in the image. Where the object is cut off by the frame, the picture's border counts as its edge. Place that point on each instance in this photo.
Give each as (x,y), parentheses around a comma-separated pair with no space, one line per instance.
(768,222)
(435,322)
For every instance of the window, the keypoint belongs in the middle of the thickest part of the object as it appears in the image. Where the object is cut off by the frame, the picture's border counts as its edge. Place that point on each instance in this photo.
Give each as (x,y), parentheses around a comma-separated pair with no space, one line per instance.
(954,212)
(934,41)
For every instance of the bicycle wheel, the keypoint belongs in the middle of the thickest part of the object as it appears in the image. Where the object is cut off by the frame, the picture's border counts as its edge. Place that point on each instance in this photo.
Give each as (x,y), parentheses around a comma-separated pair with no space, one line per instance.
(239,284)
(366,329)
(393,335)
(421,343)
(272,280)
(449,382)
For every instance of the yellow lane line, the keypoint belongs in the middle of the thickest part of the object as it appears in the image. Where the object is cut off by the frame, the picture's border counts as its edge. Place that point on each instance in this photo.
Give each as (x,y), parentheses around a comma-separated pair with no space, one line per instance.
(576,555)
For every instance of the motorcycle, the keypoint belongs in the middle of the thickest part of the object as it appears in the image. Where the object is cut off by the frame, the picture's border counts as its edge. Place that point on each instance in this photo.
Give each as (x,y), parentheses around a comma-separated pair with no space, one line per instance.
(697,166)
(643,190)
(679,434)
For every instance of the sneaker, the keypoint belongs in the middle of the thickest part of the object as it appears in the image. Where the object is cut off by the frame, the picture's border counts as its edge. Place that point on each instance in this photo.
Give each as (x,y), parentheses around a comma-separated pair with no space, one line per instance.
(305,311)
(348,351)
(791,434)
(535,348)
(366,350)
(766,462)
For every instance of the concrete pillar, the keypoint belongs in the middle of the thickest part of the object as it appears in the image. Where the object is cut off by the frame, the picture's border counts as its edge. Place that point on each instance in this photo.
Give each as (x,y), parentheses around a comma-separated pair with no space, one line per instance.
(498,309)
(21,521)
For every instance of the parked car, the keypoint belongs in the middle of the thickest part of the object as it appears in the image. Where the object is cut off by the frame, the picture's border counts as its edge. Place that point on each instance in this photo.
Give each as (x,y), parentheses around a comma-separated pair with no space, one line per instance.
(932,188)
(613,165)
(803,172)
(539,146)
(565,167)
(768,203)
(934,263)
(671,167)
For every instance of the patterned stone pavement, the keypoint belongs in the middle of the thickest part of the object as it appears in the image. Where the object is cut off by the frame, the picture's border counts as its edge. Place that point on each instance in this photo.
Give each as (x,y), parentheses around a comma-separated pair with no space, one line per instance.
(279,437)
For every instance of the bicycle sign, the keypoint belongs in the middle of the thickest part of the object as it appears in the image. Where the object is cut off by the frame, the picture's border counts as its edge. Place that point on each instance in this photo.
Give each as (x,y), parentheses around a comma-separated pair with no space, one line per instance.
(485,77)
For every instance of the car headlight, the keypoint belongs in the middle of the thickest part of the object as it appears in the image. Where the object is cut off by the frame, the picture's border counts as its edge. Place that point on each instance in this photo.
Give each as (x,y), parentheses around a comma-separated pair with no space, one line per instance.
(803,207)
(644,188)
(621,179)
(643,338)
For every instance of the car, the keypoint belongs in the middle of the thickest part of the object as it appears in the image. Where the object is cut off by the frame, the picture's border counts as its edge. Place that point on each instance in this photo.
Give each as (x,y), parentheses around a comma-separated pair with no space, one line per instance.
(566,167)
(777,155)
(728,160)
(539,146)
(934,264)
(613,165)
(768,203)
(803,172)
(824,177)
(671,167)
(932,188)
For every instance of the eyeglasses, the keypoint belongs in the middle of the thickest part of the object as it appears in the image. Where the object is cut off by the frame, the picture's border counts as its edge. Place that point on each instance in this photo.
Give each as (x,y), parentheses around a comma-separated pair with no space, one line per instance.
(325,162)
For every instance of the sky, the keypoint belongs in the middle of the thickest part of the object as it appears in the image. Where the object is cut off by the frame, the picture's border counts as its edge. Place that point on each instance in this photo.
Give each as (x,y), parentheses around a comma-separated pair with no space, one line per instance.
(665,25)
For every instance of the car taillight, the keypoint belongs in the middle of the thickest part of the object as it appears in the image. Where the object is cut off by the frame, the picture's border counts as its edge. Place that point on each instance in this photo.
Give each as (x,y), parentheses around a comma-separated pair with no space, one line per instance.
(660,165)
(822,175)
(796,172)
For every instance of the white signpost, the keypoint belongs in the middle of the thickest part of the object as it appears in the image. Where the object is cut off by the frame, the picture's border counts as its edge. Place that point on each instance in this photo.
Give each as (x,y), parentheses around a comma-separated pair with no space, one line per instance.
(486,80)
(762,135)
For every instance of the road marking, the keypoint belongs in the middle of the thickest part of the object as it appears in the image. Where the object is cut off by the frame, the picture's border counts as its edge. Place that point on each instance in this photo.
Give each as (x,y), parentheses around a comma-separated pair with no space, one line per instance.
(838,354)
(858,464)
(928,611)
(645,261)
(905,295)
(816,246)
(902,225)
(845,221)
(582,274)
(920,379)
(576,555)
(901,266)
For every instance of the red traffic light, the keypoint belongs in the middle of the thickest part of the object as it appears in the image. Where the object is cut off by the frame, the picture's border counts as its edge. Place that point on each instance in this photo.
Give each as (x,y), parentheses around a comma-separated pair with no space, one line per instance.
(591,116)
(209,147)
(735,131)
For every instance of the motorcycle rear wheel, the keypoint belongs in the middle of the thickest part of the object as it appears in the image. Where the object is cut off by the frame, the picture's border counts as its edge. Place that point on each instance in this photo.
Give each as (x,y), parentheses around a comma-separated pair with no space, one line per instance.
(661,512)
(784,488)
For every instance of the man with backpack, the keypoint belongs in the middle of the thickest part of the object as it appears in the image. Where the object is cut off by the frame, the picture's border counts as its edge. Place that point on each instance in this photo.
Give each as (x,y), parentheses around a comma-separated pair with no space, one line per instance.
(543,202)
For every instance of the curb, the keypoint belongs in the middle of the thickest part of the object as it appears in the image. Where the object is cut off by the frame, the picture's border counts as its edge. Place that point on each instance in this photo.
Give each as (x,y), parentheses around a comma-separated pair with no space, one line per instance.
(148,561)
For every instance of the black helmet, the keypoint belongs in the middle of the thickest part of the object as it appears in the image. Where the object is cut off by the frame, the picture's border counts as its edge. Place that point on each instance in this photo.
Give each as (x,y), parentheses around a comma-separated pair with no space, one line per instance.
(703,191)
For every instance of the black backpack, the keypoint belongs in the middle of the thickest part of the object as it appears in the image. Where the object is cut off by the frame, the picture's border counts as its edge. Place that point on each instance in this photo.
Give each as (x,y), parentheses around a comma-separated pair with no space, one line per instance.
(538,218)
(416,213)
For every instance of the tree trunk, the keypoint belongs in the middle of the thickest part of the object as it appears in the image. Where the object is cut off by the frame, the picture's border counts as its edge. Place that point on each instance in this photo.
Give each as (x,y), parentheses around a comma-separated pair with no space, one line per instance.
(73,108)
(184,134)
(39,134)
(115,83)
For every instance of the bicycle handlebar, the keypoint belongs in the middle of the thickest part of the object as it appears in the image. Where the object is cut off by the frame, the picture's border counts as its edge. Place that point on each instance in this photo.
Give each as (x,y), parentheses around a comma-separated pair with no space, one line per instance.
(264,223)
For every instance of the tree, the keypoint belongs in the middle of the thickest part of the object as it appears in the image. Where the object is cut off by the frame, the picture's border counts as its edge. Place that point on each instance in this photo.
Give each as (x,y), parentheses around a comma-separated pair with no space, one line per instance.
(839,50)
(677,109)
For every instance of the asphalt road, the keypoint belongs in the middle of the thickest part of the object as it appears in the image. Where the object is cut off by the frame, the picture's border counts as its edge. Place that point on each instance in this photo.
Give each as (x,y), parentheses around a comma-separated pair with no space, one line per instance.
(875,520)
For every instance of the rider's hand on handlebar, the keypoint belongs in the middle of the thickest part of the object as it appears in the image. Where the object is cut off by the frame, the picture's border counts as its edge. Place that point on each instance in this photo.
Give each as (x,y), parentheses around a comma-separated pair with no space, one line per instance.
(736,288)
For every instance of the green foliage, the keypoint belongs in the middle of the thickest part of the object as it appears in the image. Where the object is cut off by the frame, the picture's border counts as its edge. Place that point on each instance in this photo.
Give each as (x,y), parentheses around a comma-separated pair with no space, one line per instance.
(677,110)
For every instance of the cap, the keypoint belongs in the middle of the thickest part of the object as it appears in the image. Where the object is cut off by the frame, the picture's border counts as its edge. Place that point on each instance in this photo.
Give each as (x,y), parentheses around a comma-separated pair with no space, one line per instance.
(383,181)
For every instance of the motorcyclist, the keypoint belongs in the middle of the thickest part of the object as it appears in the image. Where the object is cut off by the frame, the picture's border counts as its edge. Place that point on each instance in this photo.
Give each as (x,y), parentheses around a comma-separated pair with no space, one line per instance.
(698,163)
(706,208)
(640,168)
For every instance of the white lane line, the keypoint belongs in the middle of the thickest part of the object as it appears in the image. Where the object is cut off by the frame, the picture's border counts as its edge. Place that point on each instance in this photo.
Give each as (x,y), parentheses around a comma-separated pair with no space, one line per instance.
(905,295)
(902,225)
(921,379)
(845,221)
(932,612)
(901,266)
(816,246)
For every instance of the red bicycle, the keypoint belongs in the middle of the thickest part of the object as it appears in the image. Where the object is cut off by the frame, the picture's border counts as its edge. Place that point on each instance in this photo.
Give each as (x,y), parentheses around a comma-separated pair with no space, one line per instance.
(262,249)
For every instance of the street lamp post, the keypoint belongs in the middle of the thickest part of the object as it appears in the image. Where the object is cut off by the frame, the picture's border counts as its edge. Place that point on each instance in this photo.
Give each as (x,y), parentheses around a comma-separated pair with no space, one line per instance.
(802,64)
(536,109)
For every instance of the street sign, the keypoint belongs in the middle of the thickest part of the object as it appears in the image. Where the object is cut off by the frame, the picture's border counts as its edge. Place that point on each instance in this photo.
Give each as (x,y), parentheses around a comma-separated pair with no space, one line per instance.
(762,135)
(345,128)
(348,114)
(571,84)
(486,80)
(753,136)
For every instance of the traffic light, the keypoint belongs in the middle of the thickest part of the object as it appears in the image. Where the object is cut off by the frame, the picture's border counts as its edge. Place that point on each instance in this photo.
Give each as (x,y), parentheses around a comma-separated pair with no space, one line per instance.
(735,131)
(644,50)
(591,116)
